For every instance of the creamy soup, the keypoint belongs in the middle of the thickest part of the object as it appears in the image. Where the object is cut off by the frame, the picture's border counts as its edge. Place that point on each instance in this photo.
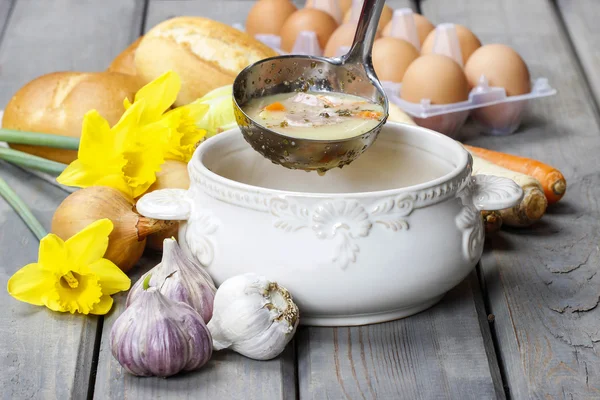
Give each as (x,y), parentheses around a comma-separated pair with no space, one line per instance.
(314,115)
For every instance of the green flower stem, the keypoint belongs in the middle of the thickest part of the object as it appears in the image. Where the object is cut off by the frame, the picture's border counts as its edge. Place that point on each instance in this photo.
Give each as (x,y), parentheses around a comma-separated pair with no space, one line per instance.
(27,160)
(19,206)
(39,139)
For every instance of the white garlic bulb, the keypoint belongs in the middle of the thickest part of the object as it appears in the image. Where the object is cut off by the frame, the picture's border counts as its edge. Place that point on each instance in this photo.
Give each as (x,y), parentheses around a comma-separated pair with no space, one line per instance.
(253,316)
(180,279)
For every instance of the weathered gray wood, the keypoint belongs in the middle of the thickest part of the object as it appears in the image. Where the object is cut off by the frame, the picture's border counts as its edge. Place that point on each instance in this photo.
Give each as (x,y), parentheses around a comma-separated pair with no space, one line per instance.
(47,354)
(485,320)
(80,35)
(437,354)
(228,11)
(541,282)
(226,376)
(44,354)
(581,20)
(5,8)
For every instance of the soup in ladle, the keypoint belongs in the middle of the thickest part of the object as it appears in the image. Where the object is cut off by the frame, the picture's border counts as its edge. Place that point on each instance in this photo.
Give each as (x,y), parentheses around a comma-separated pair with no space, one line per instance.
(314,115)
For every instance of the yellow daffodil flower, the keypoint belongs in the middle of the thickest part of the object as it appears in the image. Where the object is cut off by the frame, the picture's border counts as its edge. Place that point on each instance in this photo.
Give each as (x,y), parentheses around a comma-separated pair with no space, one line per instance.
(128,155)
(125,157)
(72,276)
(182,135)
(186,136)
(160,94)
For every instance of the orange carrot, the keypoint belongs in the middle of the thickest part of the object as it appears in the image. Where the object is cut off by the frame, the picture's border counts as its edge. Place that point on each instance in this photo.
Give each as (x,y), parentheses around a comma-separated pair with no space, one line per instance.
(367,114)
(552,181)
(277,106)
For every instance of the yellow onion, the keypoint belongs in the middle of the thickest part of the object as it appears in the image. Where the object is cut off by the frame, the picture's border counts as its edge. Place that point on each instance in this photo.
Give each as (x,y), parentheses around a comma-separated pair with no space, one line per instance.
(127,240)
(173,175)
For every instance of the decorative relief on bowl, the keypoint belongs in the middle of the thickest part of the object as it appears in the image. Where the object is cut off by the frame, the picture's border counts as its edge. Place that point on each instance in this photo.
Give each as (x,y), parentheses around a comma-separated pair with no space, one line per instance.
(441,192)
(199,236)
(495,193)
(236,197)
(253,199)
(469,222)
(400,206)
(290,216)
(344,221)
(332,216)
(177,205)
(482,192)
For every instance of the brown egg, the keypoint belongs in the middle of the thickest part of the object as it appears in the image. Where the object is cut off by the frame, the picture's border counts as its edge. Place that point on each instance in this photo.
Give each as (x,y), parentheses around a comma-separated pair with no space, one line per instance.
(435,77)
(307,19)
(343,36)
(391,58)
(502,66)
(330,6)
(344,5)
(467,40)
(386,16)
(423,27)
(268,16)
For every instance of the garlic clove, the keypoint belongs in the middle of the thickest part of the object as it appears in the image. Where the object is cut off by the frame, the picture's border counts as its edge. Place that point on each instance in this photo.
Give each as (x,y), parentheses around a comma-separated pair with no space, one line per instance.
(157,336)
(253,316)
(266,345)
(179,279)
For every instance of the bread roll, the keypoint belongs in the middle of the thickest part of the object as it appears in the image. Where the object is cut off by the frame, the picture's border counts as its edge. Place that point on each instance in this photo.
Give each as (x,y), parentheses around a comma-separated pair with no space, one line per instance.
(56,103)
(124,63)
(395,114)
(206,54)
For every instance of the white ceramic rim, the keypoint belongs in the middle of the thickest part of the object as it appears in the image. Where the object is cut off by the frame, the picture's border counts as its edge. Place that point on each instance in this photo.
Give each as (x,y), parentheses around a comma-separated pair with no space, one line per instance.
(452,145)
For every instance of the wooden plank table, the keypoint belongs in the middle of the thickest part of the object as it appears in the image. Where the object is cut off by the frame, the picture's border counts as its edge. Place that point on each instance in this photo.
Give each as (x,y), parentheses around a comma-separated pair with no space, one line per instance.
(540,283)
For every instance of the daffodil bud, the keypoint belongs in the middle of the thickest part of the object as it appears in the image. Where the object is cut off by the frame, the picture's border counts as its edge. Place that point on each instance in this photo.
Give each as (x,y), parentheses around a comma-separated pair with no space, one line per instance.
(180,279)
(253,316)
(157,336)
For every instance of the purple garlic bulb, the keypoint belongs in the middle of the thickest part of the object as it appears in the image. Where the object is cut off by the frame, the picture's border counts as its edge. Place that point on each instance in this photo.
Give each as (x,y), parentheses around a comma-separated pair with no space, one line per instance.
(180,279)
(157,336)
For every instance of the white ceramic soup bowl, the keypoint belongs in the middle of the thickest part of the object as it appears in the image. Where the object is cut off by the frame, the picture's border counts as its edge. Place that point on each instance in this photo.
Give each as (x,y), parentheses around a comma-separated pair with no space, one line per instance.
(383,238)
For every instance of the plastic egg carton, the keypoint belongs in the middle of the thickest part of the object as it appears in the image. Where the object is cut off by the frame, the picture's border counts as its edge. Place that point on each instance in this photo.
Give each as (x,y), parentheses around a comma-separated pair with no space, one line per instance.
(493,112)
(489,107)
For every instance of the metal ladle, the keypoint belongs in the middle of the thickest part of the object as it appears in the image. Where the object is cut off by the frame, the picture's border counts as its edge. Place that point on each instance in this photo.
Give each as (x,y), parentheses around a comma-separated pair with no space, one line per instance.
(351,74)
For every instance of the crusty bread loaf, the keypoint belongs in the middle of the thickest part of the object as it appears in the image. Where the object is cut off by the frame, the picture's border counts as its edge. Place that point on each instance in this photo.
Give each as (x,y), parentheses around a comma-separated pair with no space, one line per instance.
(56,103)
(124,62)
(395,114)
(206,54)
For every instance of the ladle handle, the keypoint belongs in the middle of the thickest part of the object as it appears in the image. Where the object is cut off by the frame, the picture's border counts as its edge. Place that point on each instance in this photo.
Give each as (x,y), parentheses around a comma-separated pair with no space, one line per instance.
(360,52)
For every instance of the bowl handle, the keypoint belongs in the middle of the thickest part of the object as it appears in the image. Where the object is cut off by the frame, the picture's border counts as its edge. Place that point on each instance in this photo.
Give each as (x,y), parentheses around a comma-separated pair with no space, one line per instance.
(167,204)
(491,193)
